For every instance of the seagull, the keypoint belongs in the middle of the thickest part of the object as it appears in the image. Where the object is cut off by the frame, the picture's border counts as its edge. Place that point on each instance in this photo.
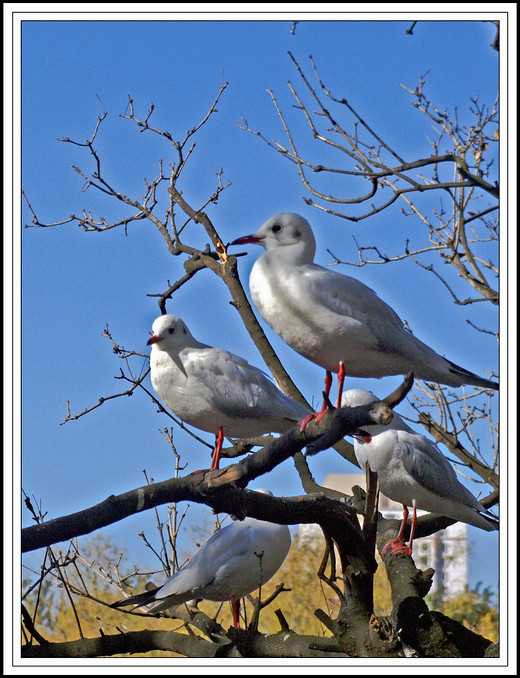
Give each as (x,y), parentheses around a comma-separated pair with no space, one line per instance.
(413,472)
(333,319)
(235,561)
(213,389)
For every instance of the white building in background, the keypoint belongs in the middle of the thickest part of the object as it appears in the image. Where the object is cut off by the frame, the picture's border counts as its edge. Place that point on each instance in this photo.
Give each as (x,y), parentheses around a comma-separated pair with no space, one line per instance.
(445,551)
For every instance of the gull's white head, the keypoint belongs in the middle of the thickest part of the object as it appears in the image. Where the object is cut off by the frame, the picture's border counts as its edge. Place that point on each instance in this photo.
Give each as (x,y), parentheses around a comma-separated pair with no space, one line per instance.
(355,397)
(262,490)
(169,332)
(286,229)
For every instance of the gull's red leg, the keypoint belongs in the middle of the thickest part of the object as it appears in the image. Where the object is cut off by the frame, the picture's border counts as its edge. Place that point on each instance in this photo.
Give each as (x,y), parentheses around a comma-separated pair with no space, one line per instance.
(326,391)
(215,460)
(324,407)
(413,522)
(328,384)
(235,609)
(398,545)
(341,380)
(217,451)
(400,536)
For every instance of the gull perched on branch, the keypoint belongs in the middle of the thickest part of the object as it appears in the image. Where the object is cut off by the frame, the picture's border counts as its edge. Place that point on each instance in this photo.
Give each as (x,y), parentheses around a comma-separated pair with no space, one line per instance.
(215,390)
(413,472)
(235,561)
(333,319)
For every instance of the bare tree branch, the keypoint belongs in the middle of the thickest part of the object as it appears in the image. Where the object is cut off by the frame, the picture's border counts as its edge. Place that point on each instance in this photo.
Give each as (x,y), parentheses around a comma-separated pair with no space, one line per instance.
(202,487)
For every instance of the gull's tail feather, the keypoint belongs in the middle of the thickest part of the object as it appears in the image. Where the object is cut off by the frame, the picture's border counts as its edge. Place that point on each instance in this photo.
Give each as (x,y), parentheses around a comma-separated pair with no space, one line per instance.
(138,600)
(468,377)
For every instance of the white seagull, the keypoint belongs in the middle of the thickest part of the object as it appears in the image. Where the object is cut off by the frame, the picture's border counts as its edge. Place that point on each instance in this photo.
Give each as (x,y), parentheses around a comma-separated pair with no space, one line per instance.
(413,472)
(213,389)
(235,561)
(333,319)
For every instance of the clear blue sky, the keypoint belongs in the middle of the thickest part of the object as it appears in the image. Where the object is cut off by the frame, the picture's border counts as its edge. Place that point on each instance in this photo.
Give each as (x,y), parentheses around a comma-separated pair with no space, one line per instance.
(74,283)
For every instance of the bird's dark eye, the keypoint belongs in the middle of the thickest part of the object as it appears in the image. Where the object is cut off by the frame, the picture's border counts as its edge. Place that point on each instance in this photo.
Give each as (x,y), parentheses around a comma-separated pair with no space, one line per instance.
(171,330)
(276,228)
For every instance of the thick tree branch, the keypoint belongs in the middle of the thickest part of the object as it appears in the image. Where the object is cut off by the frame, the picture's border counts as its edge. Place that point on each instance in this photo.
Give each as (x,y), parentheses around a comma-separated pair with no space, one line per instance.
(445,638)
(201,487)
(132,643)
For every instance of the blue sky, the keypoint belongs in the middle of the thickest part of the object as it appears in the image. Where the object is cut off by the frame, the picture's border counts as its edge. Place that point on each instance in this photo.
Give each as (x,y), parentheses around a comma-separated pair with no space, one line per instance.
(74,283)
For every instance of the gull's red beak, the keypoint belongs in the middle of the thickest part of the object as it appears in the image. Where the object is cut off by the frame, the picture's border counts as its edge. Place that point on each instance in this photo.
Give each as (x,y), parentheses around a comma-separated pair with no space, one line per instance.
(153,340)
(246,240)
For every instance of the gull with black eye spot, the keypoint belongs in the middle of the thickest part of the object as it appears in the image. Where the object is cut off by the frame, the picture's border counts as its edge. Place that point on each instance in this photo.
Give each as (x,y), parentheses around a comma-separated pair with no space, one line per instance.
(214,389)
(335,320)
